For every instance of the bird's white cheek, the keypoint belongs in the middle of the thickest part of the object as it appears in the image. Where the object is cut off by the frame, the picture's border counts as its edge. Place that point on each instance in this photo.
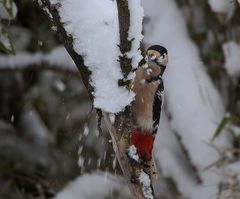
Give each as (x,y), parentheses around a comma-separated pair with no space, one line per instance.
(160,59)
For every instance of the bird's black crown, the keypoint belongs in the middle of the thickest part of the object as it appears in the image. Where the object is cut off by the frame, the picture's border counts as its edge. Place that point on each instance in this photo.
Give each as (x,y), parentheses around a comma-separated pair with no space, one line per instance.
(158,48)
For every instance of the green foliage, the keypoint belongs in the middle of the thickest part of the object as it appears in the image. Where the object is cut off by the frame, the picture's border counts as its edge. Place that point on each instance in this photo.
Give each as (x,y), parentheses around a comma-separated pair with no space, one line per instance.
(228,122)
(221,126)
(6,44)
(8,5)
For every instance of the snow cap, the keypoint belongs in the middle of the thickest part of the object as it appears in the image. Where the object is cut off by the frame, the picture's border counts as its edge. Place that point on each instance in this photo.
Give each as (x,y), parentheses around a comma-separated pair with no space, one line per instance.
(158,48)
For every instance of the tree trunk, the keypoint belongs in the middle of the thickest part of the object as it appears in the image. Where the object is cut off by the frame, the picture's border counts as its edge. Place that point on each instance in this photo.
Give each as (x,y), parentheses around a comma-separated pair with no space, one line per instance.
(121,129)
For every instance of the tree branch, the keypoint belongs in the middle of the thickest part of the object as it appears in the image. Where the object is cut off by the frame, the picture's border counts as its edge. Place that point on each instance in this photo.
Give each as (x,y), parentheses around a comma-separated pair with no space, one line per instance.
(41,67)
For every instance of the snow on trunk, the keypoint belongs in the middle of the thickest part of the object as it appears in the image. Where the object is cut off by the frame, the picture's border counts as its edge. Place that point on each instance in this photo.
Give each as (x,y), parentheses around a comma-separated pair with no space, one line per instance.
(94,27)
(146,185)
(193,102)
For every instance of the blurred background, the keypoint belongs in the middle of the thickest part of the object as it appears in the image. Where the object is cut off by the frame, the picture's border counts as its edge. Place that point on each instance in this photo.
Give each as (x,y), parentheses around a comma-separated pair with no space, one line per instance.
(48,127)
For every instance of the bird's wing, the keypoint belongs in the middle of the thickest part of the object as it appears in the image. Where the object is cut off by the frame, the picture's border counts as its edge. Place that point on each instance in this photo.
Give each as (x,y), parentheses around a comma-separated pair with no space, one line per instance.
(157,106)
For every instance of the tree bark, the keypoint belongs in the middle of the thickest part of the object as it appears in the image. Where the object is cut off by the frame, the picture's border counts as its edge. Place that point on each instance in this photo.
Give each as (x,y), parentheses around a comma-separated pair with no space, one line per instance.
(125,44)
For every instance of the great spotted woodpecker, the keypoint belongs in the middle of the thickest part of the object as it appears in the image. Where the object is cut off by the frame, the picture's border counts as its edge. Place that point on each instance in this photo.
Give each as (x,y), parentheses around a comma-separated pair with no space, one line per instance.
(146,108)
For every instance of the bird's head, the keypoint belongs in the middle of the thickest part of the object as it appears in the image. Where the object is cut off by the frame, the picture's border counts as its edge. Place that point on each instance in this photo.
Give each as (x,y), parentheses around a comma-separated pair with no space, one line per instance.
(157,54)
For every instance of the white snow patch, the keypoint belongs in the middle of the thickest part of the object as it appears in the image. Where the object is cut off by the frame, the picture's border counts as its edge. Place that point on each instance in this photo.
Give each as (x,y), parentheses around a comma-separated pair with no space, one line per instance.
(222,6)
(175,165)
(57,57)
(112,117)
(232,58)
(94,186)
(233,169)
(146,185)
(132,152)
(35,127)
(93,24)
(60,86)
(4,14)
(236,130)
(135,30)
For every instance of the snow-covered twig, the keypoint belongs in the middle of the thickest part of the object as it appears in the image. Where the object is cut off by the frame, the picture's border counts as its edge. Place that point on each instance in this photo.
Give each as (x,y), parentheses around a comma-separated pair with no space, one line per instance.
(57,60)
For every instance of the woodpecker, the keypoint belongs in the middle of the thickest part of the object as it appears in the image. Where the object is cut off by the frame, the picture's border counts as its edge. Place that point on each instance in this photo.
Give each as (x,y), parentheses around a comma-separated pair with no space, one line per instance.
(146,108)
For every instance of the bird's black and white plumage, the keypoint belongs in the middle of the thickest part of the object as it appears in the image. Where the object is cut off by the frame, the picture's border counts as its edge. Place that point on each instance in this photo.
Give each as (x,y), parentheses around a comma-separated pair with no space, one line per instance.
(157,55)
(146,108)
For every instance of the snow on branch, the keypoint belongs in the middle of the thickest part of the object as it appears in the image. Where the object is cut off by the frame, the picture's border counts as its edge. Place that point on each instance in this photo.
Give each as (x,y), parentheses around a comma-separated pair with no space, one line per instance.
(57,60)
